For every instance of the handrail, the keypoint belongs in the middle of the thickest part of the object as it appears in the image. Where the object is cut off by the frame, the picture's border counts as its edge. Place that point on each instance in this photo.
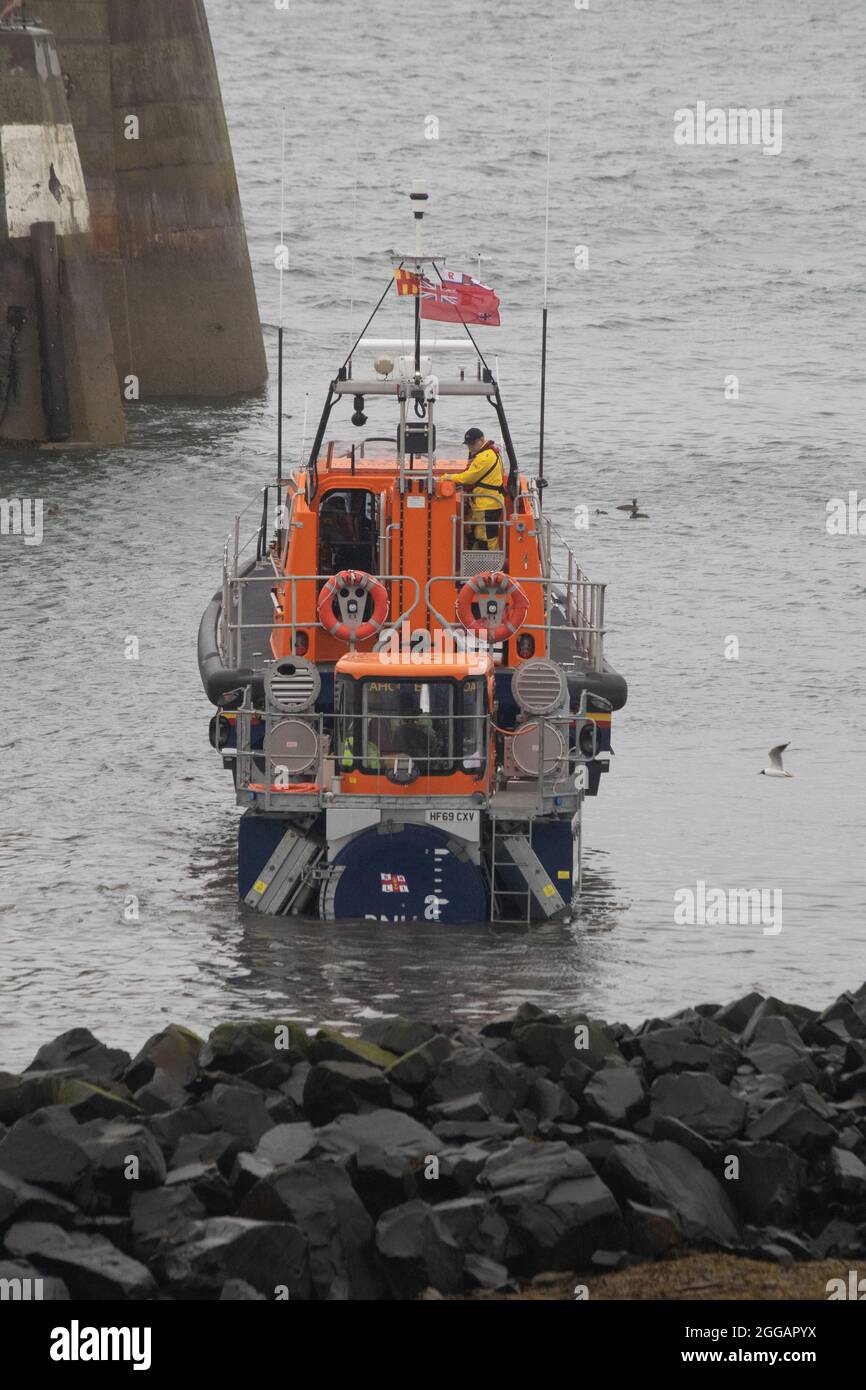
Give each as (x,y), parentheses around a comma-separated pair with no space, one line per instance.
(583,599)
(590,626)
(292,580)
(554,778)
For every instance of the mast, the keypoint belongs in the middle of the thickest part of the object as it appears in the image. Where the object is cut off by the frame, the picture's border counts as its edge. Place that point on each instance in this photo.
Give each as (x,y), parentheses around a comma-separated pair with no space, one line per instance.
(418,198)
(281,259)
(542,482)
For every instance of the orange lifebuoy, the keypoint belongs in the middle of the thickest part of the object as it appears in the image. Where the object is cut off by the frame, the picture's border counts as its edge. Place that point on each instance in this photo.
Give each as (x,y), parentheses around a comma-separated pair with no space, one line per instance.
(495,584)
(350,589)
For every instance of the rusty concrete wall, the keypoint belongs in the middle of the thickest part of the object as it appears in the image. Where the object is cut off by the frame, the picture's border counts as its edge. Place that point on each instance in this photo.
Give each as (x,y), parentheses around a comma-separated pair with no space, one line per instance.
(165,207)
(41,180)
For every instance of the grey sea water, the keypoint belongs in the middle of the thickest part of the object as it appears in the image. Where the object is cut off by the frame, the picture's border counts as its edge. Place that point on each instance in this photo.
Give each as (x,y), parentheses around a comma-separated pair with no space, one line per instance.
(704,262)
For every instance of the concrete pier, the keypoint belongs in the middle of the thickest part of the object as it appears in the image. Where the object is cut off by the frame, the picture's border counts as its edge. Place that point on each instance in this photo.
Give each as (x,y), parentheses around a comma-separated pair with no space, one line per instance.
(57,374)
(165,212)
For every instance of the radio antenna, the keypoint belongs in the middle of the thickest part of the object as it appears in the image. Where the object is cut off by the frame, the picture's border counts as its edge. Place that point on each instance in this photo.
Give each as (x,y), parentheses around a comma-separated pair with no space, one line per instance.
(281,263)
(541,479)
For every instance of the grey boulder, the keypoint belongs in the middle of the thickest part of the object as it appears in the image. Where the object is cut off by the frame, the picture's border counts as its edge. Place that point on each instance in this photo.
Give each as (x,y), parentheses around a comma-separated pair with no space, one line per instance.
(480,1071)
(796,1122)
(344,1088)
(699,1101)
(780,1059)
(90,1265)
(19,1201)
(37,1152)
(79,1049)
(848,1174)
(236,1110)
(614,1095)
(174,1051)
(318,1199)
(771,1177)
(271,1256)
(654,1231)
(557,1209)
(287,1144)
(475,1225)
(235,1047)
(416,1069)
(472,1107)
(124,1157)
(667,1176)
(388,1130)
(162,1217)
(417,1251)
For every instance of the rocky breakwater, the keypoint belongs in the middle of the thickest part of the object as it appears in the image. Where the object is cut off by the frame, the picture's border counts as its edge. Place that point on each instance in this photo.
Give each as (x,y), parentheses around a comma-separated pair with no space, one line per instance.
(264,1163)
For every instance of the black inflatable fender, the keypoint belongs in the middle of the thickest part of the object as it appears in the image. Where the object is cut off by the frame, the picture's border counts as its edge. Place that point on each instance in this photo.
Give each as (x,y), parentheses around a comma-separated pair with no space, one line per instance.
(216,678)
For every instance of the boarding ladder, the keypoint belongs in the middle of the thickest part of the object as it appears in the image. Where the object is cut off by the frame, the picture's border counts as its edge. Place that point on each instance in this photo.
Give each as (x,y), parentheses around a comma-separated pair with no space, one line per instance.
(519,881)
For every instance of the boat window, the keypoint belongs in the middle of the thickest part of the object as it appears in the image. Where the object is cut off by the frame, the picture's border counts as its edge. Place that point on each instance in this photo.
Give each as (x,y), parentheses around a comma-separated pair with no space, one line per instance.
(474,727)
(348,531)
(347,734)
(412,718)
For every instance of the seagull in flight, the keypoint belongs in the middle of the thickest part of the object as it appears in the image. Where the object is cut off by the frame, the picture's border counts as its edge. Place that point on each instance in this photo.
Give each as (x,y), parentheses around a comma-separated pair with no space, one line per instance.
(635,514)
(776,769)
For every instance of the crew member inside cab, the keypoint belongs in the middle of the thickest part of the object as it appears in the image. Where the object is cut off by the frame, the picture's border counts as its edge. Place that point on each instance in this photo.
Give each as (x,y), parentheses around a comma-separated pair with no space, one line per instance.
(484,479)
(399,726)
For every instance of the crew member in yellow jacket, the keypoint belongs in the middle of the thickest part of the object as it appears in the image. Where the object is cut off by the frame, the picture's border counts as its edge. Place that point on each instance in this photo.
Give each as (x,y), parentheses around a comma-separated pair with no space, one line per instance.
(484,480)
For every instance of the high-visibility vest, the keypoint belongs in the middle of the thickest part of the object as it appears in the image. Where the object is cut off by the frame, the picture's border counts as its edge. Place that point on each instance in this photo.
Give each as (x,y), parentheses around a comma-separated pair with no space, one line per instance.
(372,754)
(480,484)
(348,755)
(479,489)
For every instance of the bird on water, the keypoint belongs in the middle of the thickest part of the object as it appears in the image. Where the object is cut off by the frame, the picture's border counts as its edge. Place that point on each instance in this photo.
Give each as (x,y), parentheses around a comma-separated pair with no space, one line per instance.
(634,512)
(776,769)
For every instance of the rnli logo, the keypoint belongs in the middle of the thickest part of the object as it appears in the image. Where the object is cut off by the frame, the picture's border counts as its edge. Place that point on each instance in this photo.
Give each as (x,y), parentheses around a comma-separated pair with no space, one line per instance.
(394,883)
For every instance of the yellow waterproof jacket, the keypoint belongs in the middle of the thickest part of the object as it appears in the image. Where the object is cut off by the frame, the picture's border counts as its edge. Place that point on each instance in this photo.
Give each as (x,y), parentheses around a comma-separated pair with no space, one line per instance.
(483,477)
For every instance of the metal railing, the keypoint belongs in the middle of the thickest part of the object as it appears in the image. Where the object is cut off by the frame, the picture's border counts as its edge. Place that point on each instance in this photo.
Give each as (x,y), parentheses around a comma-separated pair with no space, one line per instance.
(580,600)
(573,604)
(233,620)
(583,598)
(409,761)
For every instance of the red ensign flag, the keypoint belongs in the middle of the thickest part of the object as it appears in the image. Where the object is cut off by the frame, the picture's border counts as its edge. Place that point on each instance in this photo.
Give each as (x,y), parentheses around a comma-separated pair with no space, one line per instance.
(458,298)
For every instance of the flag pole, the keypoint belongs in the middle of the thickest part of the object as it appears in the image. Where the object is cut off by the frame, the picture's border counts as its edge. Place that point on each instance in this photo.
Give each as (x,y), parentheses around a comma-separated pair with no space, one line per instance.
(418,329)
(418,198)
(542,482)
